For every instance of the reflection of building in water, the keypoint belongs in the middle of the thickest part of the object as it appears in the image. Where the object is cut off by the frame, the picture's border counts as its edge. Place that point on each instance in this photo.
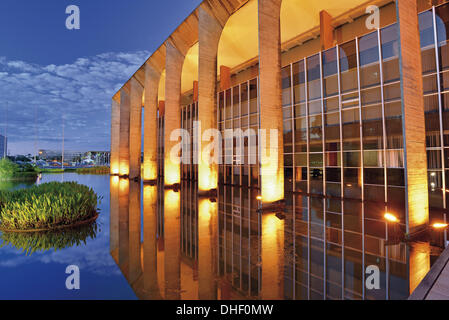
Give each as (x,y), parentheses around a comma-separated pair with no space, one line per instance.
(239,242)
(316,248)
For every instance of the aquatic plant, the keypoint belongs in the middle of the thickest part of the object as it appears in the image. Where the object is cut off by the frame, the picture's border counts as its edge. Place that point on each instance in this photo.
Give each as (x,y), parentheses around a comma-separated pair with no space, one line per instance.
(10,171)
(31,242)
(47,206)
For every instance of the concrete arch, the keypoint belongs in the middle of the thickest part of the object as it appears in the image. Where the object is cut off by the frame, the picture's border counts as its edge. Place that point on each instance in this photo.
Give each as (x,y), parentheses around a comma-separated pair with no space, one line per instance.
(190,69)
(239,41)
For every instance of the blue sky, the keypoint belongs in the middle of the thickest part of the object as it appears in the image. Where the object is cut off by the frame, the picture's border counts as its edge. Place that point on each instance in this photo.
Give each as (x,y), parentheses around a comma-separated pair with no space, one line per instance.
(56,73)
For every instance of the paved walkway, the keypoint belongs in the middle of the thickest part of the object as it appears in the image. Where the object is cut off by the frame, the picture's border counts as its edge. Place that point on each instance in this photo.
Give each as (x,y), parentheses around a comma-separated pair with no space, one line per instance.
(435,285)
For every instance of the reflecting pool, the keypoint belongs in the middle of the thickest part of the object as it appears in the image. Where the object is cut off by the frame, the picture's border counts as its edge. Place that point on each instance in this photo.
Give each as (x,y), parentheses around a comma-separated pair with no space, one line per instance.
(30,268)
(230,247)
(156,243)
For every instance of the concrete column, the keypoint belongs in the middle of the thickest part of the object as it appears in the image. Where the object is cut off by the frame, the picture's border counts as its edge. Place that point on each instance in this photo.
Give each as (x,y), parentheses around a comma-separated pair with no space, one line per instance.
(114,216)
(174,61)
(272,155)
(172,245)
(152,77)
(123,249)
(135,128)
(272,254)
(207,215)
(115,134)
(209,36)
(414,132)
(135,269)
(124,131)
(150,283)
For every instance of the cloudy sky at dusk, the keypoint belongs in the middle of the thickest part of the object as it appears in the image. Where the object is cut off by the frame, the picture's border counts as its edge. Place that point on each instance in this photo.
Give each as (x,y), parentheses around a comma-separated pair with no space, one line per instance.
(48,72)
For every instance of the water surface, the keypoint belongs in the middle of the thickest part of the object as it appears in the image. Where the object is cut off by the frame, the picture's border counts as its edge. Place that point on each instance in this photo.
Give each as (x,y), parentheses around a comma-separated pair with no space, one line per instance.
(154,243)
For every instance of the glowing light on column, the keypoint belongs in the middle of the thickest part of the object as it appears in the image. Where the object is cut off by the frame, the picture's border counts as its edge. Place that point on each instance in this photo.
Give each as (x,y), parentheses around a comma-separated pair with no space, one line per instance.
(207,179)
(272,254)
(172,174)
(149,170)
(271,176)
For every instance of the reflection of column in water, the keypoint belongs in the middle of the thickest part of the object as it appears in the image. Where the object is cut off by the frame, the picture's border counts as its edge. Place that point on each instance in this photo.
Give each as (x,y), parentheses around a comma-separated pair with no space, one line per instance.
(172,243)
(207,215)
(419,263)
(150,241)
(134,231)
(123,225)
(272,256)
(114,216)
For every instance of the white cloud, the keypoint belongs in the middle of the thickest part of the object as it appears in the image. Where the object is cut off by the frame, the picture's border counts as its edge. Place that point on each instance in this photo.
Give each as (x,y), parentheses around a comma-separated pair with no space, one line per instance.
(80,91)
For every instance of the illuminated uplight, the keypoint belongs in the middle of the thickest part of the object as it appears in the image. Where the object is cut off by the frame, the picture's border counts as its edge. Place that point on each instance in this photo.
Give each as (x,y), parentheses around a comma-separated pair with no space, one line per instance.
(259,198)
(172,173)
(115,180)
(149,171)
(171,200)
(439,225)
(207,180)
(123,185)
(205,209)
(390,217)
(124,169)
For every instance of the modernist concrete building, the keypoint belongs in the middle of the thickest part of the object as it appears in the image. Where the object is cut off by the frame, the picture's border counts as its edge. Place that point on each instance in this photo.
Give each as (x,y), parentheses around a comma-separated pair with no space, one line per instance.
(361,97)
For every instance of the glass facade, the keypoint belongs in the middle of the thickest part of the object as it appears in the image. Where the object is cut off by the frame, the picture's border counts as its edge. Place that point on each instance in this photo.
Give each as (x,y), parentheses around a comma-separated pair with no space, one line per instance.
(433,25)
(189,114)
(239,239)
(238,108)
(314,248)
(342,119)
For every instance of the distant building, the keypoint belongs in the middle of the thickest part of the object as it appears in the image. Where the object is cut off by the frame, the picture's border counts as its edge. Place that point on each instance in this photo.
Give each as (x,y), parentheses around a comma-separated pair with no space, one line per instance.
(98,158)
(69,156)
(3,146)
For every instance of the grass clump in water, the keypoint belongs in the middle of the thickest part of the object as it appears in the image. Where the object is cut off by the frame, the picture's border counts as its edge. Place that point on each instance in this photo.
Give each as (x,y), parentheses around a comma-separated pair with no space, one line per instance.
(47,206)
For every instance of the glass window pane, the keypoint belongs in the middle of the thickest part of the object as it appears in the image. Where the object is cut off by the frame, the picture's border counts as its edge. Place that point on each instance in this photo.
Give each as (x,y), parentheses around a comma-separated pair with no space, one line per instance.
(426,33)
(286,86)
(244,97)
(442,22)
(253,96)
(301,135)
(330,74)
(393,124)
(236,102)
(351,129)
(369,60)
(348,66)
(299,91)
(315,133)
(313,77)
(332,131)
(390,53)
(372,127)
